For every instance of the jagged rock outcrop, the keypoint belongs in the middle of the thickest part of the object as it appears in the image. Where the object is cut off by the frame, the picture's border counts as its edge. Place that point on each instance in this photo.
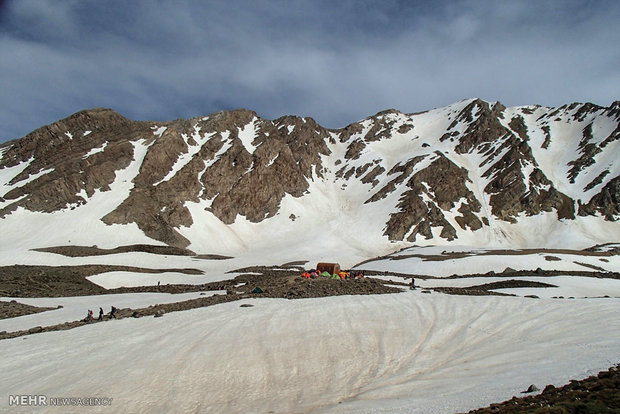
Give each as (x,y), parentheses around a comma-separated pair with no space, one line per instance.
(606,203)
(432,191)
(66,164)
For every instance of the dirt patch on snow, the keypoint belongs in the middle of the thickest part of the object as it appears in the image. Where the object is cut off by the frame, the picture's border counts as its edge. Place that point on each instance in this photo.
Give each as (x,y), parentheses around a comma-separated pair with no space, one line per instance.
(290,285)
(212,257)
(508,272)
(14,309)
(521,252)
(589,266)
(57,281)
(85,251)
(487,288)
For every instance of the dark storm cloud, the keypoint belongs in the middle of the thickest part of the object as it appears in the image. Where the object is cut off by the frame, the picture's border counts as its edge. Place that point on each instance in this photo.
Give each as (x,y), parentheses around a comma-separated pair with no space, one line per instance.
(334,61)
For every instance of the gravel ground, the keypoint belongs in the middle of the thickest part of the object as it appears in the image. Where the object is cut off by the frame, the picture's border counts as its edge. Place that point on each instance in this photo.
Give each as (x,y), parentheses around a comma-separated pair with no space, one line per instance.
(13,309)
(596,394)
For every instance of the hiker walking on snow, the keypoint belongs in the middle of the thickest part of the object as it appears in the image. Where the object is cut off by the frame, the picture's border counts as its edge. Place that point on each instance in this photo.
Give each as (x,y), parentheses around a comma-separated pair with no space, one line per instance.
(100,318)
(113,312)
(412,285)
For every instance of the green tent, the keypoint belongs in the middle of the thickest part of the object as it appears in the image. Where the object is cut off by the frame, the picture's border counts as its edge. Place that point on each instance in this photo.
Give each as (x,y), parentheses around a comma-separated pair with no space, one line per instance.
(326,274)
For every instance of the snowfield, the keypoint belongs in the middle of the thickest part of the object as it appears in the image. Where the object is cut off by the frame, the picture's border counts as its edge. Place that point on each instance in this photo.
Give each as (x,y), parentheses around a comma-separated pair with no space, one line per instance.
(406,352)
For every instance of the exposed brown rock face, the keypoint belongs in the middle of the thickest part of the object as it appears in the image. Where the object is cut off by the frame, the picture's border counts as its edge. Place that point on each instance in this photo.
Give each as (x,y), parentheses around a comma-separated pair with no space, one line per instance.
(355,150)
(517,125)
(506,153)
(432,190)
(65,157)
(484,125)
(513,193)
(606,203)
(234,164)
(588,151)
(238,180)
(383,126)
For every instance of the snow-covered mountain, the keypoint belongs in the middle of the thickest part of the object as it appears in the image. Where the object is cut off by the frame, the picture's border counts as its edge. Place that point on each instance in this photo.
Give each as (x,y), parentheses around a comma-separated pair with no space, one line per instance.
(474,172)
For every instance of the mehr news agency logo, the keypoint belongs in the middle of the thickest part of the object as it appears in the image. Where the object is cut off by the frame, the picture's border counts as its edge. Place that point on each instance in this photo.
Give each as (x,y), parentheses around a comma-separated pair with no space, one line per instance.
(45,401)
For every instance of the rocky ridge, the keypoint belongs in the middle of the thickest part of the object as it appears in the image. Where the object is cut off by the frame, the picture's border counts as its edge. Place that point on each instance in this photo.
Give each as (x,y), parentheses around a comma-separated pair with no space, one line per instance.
(441,173)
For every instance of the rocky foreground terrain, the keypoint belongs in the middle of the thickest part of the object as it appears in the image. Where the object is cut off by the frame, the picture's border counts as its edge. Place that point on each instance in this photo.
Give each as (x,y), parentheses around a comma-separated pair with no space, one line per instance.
(596,394)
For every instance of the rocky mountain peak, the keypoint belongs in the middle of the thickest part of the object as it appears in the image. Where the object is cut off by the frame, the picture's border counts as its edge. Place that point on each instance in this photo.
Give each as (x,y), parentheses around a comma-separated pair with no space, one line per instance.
(482,122)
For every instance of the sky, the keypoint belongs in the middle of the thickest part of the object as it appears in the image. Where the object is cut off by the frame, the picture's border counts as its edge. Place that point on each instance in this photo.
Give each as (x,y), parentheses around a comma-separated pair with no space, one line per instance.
(335,61)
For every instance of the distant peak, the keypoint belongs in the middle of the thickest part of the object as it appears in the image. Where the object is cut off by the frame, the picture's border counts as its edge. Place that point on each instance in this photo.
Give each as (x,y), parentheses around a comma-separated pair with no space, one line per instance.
(95,113)
(388,111)
(237,114)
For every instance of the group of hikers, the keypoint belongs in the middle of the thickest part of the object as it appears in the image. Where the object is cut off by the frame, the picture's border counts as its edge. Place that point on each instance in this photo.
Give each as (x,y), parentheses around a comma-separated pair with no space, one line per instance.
(90,318)
(312,274)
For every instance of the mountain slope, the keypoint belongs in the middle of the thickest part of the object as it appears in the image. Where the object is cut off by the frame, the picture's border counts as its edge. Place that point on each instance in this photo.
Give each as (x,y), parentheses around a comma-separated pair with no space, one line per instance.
(473,172)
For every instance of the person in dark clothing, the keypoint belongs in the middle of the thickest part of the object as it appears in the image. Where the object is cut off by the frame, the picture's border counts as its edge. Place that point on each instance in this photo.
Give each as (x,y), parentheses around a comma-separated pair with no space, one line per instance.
(100,318)
(412,284)
(113,312)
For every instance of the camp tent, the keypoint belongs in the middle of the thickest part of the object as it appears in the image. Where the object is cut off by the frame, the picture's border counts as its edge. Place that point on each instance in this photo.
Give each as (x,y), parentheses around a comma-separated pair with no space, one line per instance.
(331,268)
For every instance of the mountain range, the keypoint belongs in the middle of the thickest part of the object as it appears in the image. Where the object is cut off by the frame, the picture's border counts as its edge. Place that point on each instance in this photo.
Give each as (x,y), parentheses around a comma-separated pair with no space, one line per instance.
(474,172)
